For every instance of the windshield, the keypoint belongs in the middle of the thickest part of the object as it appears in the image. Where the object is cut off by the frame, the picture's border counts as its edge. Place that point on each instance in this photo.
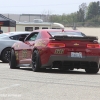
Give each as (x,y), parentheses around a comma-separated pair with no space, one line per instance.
(77,34)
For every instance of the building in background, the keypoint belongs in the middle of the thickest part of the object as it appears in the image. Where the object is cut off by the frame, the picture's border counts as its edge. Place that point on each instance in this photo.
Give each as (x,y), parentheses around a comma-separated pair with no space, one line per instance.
(28,17)
(30,26)
(30,22)
(6,22)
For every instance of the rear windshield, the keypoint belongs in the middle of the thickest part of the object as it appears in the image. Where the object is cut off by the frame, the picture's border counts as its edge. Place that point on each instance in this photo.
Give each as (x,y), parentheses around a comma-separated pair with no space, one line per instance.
(75,34)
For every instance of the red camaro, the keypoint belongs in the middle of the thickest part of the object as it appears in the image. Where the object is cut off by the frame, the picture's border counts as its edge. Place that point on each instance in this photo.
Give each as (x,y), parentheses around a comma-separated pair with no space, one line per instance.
(55,48)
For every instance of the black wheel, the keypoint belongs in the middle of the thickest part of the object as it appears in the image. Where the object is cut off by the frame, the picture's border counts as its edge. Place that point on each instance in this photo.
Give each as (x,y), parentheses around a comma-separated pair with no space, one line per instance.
(71,69)
(92,70)
(36,63)
(12,60)
(63,69)
(5,55)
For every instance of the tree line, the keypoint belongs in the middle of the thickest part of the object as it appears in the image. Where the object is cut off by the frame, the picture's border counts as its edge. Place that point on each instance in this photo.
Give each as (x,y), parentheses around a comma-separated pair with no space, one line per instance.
(85,16)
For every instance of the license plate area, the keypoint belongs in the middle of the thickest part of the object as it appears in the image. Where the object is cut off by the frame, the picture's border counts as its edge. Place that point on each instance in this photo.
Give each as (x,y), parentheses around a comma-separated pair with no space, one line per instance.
(76,54)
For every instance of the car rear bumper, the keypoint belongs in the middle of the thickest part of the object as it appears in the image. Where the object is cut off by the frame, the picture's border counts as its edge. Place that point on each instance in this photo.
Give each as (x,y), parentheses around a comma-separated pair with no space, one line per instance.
(56,61)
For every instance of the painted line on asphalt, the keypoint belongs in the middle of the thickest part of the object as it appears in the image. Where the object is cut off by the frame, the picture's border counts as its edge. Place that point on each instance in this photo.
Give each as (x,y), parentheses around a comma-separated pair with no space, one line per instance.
(15,85)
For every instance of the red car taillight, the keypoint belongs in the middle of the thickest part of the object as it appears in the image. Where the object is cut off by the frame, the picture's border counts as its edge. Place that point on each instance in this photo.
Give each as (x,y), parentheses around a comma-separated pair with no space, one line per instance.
(56,45)
(93,46)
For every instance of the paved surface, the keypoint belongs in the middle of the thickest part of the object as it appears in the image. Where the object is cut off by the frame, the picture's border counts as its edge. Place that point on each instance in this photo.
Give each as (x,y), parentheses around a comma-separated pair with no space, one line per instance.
(24,84)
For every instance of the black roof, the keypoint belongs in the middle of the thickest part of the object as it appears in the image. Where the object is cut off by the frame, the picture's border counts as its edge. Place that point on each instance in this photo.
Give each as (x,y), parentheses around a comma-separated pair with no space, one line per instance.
(4,21)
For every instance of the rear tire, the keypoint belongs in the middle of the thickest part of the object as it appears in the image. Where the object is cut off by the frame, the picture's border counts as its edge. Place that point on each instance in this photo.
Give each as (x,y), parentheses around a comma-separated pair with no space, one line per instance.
(71,69)
(92,70)
(63,69)
(12,60)
(36,63)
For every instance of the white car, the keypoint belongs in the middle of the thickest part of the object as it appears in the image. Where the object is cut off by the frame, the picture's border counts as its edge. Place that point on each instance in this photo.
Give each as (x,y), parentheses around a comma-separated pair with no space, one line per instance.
(6,42)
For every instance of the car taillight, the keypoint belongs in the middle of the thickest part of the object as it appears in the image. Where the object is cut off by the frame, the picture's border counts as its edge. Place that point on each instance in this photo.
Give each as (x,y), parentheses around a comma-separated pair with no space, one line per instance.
(93,46)
(56,45)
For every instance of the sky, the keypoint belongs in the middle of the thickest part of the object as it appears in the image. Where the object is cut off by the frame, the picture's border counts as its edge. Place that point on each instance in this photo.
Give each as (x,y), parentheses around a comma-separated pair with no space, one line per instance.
(41,6)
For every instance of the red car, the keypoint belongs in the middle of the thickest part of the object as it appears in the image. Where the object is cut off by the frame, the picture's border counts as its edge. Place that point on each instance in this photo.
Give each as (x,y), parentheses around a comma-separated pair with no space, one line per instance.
(55,48)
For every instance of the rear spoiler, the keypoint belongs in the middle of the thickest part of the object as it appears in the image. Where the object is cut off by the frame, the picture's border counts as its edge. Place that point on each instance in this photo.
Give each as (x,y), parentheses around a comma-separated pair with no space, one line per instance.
(89,38)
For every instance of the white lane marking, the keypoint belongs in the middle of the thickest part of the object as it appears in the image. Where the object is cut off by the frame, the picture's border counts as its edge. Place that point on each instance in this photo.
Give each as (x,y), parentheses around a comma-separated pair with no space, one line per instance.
(15,85)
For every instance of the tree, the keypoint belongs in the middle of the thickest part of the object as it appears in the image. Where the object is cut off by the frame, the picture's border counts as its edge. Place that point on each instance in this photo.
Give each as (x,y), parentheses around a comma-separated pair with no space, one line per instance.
(81,14)
(93,10)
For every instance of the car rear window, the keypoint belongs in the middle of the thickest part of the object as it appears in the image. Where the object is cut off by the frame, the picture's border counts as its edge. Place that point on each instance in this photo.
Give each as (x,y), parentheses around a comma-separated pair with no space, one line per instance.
(75,34)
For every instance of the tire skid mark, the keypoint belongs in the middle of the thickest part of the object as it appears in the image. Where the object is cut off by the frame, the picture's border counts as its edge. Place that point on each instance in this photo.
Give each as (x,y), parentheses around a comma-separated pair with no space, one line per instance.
(58,83)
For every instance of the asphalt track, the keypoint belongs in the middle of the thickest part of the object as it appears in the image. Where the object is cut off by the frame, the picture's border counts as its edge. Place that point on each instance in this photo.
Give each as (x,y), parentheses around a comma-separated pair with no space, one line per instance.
(24,84)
